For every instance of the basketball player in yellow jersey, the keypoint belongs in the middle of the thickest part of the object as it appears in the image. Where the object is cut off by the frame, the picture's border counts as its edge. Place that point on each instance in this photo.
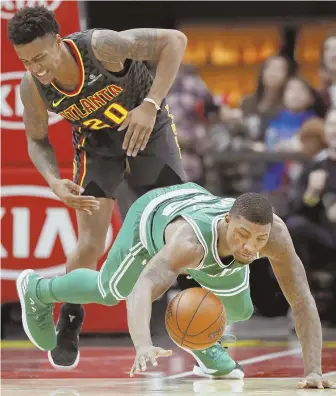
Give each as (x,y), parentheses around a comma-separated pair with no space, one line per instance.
(97,80)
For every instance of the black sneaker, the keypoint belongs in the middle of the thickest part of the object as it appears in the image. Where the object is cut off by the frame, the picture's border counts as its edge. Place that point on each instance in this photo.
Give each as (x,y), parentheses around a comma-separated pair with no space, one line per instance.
(66,354)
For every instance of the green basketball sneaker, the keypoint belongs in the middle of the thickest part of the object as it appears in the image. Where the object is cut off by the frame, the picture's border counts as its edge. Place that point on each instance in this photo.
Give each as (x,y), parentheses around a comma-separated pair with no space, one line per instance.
(215,362)
(37,318)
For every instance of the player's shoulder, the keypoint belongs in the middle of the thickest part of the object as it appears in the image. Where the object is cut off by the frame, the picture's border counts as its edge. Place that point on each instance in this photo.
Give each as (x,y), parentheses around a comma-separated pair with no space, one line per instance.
(77,34)
(279,238)
(81,39)
(180,232)
(26,80)
(28,88)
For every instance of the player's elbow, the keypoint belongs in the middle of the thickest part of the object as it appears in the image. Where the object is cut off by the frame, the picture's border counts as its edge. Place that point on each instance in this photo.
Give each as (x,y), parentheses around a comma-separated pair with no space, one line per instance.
(174,39)
(180,39)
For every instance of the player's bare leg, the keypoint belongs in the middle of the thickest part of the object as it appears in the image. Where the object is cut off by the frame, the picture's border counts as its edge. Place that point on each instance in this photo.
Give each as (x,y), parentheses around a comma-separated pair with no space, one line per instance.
(92,232)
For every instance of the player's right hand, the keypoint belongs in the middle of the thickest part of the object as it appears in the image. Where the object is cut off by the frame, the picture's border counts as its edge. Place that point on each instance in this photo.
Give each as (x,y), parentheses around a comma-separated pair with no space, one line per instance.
(68,192)
(145,354)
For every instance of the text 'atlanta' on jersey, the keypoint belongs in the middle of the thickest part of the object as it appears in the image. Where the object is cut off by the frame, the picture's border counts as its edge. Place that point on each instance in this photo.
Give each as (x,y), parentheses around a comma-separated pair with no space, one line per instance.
(97,107)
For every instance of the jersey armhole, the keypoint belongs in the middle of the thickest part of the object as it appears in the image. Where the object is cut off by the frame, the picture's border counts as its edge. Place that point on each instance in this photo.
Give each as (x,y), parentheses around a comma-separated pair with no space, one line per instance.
(199,237)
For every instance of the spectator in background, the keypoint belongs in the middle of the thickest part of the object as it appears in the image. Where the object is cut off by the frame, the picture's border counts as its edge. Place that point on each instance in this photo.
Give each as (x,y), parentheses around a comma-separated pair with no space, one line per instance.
(312,138)
(301,102)
(312,223)
(312,145)
(260,107)
(192,105)
(328,70)
(243,129)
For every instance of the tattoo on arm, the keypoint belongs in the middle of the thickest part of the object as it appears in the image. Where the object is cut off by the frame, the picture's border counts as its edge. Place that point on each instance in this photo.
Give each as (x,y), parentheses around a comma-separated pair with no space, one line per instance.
(138,44)
(35,118)
(154,280)
(160,275)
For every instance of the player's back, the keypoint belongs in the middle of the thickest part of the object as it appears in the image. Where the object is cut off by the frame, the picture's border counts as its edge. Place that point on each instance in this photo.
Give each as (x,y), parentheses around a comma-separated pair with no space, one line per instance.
(200,208)
(203,211)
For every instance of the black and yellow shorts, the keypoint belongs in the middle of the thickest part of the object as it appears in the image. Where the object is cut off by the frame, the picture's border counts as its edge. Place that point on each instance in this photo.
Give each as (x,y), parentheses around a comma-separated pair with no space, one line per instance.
(100,163)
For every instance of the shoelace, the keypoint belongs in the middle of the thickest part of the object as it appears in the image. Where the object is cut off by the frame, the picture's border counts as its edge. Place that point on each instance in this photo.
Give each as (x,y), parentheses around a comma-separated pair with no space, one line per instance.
(40,318)
(215,352)
(216,349)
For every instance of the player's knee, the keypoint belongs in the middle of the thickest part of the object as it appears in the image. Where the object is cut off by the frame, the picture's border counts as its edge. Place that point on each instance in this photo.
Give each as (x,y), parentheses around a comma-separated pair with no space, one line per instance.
(241,313)
(109,300)
(90,250)
(248,310)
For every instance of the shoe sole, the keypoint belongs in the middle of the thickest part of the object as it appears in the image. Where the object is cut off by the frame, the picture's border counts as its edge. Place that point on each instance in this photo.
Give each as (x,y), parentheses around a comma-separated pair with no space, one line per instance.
(63,368)
(234,374)
(19,282)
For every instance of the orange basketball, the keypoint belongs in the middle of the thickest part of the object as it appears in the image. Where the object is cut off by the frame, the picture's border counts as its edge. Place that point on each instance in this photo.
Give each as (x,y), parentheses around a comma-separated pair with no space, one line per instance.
(195,318)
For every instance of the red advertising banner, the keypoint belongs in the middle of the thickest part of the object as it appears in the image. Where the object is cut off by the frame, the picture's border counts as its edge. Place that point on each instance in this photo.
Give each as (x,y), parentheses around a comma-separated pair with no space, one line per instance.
(13,147)
(37,230)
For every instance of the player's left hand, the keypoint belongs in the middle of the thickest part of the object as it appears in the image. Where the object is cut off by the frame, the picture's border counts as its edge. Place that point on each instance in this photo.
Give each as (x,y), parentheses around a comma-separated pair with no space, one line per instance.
(315,380)
(147,354)
(140,122)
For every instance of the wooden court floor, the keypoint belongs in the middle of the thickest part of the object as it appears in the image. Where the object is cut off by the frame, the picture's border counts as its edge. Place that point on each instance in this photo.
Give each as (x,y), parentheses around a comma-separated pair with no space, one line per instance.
(271,368)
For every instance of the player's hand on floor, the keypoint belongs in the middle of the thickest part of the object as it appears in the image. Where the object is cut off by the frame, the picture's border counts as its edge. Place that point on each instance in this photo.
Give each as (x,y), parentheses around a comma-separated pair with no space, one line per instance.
(140,122)
(68,192)
(147,354)
(315,380)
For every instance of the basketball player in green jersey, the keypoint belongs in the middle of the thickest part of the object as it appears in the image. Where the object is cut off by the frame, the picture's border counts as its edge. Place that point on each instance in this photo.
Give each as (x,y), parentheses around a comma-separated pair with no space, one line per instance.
(98,82)
(214,240)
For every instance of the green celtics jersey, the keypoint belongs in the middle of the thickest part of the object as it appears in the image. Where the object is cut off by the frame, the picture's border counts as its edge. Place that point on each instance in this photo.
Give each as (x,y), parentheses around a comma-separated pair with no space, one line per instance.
(142,237)
(202,210)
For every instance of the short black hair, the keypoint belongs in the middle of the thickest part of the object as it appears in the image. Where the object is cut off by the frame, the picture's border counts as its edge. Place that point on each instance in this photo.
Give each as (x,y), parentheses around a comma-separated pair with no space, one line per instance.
(30,23)
(254,207)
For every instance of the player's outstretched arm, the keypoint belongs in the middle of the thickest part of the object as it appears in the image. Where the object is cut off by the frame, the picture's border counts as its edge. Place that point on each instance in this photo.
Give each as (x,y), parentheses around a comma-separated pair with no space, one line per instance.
(164,46)
(180,252)
(41,152)
(292,279)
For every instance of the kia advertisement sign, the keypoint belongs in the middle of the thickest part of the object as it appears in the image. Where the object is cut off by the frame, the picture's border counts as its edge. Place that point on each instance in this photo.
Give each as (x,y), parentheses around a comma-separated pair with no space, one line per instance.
(14,147)
(37,230)
(11,105)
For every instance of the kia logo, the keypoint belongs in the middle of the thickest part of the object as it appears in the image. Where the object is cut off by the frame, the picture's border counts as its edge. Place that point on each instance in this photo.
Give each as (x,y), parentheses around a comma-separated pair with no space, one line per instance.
(9,8)
(11,104)
(57,225)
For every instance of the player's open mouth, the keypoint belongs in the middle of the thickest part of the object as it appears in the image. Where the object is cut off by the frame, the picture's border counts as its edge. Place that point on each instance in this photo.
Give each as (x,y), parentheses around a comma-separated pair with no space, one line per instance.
(42,74)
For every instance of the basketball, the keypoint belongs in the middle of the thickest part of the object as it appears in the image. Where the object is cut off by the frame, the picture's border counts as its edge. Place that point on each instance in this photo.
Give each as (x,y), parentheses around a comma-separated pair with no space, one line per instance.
(195,318)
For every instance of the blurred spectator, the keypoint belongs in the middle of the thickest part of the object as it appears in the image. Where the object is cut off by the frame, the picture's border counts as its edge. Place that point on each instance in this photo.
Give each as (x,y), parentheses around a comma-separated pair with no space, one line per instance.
(312,138)
(260,107)
(312,223)
(243,129)
(301,102)
(311,142)
(192,105)
(328,70)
